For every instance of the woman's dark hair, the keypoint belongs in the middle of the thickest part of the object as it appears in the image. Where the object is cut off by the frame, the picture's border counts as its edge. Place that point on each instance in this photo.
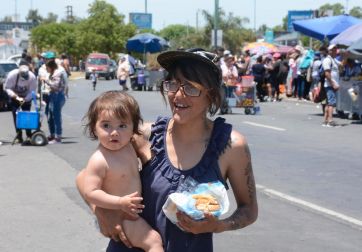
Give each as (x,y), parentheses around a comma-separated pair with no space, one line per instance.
(202,74)
(120,104)
(51,64)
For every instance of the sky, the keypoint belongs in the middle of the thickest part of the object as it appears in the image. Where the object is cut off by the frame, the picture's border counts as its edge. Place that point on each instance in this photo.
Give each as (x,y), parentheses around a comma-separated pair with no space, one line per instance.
(166,12)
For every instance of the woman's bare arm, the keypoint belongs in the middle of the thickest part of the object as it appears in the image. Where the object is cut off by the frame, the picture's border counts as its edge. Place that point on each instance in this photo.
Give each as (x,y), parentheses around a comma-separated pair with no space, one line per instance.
(241,178)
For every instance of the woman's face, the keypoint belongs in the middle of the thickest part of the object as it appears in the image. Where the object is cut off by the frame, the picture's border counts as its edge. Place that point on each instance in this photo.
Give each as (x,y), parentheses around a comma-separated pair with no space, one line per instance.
(186,108)
(49,70)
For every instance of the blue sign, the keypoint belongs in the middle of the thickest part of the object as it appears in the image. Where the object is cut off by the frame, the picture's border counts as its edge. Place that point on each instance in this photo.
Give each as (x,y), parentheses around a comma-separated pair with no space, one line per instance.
(141,20)
(269,36)
(297,15)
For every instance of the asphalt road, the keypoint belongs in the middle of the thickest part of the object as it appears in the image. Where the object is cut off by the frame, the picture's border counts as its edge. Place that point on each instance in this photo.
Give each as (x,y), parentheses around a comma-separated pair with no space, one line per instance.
(308,178)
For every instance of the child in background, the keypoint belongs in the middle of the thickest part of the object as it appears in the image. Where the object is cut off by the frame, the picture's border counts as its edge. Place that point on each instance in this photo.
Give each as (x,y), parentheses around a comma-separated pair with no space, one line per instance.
(93,76)
(112,178)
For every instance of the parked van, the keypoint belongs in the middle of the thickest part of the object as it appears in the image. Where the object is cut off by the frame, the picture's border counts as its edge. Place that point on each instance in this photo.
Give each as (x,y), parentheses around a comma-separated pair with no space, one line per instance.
(101,63)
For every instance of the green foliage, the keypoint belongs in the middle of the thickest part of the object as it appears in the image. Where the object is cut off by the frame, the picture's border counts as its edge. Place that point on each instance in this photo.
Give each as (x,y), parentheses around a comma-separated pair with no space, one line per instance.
(356,12)
(7,19)
(234,32)
(34,17)
(338,9)
(104,30)
(179,36)
(59,37)
(51,18)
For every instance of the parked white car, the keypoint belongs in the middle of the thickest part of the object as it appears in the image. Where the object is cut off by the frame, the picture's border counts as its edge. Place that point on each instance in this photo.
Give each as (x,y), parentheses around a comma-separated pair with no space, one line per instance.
(15,58)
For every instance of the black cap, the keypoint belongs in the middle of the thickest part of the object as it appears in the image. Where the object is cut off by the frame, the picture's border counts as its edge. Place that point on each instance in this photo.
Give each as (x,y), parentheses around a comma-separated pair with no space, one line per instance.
(169,58)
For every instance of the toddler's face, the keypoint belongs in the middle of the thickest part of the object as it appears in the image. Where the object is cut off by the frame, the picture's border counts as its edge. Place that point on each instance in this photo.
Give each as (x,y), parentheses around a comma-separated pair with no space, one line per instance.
(112,132)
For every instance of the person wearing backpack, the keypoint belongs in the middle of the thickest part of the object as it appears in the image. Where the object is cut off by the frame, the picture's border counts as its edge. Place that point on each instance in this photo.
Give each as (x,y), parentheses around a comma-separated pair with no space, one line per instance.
(331,84)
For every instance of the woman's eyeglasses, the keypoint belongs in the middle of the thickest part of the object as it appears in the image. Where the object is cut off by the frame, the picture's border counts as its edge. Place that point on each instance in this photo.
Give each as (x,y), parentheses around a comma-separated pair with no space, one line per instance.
(188,89)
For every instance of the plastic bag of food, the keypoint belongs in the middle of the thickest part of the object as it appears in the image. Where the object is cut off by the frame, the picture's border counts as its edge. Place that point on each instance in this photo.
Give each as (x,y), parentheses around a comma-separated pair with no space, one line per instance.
(195,199)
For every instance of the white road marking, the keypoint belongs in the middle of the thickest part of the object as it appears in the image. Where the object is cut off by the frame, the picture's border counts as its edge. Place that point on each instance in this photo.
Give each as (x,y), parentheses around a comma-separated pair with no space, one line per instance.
(306,204)
(264,126)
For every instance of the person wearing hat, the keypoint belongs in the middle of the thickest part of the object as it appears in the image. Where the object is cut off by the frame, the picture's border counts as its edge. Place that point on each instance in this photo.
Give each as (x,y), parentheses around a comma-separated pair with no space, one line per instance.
(19,85)
(55,82)
(331,84)
(188,144)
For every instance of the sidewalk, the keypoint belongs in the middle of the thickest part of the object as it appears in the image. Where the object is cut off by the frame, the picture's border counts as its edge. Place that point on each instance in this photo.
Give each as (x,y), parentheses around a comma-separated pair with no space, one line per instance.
(76,75)
(40,203)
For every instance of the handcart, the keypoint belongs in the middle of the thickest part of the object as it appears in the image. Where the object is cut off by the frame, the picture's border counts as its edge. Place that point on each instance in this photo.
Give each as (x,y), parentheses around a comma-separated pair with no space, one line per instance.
(31,120)
(245,94)
(349,99)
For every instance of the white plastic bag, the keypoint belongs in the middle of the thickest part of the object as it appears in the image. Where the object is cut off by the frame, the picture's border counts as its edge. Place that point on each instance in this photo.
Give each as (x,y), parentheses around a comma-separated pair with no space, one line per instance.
(183,201)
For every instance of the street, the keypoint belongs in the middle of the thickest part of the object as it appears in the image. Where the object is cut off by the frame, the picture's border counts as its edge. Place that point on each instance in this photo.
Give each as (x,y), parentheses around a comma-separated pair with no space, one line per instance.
(308,180)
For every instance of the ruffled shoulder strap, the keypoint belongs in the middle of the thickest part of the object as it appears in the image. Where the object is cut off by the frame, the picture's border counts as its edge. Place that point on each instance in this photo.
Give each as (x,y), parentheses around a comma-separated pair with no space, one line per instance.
(221,136)
(157,134)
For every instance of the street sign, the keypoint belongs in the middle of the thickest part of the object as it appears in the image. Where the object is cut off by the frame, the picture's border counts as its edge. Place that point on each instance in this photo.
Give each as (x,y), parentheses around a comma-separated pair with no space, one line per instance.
(298,15)
(141,20)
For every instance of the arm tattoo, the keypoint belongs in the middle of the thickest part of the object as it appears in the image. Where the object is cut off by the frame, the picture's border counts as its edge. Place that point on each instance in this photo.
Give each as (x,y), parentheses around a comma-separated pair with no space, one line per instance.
(243,215)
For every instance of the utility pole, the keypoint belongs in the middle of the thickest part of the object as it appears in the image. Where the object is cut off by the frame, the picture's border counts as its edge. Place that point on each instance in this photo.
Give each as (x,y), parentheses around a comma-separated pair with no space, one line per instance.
(346,9)
(254,15)
(16,11)
(216,17)
(69,15)
(145,6)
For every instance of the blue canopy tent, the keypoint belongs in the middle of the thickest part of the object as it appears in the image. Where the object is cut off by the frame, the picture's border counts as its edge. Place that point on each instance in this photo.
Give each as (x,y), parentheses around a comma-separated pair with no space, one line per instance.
(146,42)
(349,36)
(355,50)
(325,28)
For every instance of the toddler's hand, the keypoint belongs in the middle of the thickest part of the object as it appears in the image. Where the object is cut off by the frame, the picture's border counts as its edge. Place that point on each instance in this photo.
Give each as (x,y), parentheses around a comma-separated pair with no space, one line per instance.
(131,204)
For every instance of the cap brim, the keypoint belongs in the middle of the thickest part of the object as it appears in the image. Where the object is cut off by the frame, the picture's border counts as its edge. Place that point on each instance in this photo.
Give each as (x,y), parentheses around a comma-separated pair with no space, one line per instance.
(169,58)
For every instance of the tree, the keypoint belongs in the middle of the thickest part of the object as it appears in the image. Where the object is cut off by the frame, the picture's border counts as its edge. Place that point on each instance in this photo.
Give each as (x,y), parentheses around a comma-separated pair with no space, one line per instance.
(34,17)
(51,18)
(7,19)
(178,35)
(356,12)
(104,30)
(338,9)
(234,32)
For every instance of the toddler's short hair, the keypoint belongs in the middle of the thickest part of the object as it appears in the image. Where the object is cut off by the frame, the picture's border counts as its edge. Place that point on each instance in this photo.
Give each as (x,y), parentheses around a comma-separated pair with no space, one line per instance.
(120,104)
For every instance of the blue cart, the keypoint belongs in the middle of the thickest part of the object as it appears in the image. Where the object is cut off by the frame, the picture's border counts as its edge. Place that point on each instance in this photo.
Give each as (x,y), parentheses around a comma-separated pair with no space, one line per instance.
(31,120)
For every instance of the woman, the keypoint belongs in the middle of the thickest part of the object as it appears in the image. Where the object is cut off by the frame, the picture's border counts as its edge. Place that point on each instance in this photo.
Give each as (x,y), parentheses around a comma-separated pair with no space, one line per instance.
(188,144)
(56,101)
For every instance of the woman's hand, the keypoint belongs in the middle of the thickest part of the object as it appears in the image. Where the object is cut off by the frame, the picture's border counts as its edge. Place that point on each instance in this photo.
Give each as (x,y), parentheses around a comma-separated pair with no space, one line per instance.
(207,225)
(110,224)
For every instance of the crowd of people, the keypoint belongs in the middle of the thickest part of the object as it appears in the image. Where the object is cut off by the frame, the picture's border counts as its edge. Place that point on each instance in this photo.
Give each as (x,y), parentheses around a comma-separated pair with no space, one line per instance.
(300,73)
(44,75)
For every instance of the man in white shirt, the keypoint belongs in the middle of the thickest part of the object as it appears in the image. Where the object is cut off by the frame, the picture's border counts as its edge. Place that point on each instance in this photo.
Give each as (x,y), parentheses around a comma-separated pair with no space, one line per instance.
(331,84)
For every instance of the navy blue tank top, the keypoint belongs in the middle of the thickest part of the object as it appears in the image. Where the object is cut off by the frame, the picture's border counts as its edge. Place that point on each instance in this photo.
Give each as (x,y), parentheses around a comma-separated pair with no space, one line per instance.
(160,178)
